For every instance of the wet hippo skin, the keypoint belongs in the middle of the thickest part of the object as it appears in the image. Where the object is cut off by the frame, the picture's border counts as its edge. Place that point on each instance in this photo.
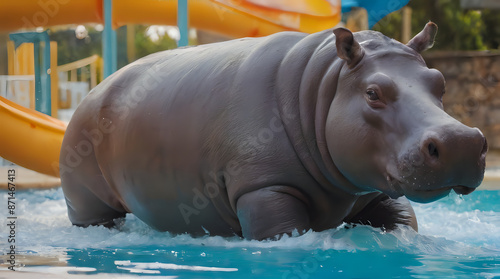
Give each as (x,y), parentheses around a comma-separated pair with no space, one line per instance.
(260,137)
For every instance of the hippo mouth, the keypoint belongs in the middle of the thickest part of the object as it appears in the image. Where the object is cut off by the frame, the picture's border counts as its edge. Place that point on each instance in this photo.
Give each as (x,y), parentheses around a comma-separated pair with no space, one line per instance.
(424,195)
(429,195)
(459,189)
(463,190)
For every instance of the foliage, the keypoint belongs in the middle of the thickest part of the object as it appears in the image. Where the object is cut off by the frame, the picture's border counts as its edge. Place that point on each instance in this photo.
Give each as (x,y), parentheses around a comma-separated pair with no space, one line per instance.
(70,48)
(492,28)
(459,29)
(144,45)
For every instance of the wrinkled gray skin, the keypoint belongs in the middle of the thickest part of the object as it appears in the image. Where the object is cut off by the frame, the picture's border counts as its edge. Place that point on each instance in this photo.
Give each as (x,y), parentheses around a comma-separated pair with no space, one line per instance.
(260,137)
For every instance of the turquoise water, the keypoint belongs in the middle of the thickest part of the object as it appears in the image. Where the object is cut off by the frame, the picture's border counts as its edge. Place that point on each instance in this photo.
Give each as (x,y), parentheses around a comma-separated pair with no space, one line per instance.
(459,238)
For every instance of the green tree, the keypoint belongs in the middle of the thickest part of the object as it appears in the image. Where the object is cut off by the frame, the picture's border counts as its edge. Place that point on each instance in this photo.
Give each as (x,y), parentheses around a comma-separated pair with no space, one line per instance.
(144,45)
(70,48)
(491,32)
(459,29)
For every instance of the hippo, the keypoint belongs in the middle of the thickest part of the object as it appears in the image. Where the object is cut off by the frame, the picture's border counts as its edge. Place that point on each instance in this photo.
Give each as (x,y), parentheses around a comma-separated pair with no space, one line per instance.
(272,136)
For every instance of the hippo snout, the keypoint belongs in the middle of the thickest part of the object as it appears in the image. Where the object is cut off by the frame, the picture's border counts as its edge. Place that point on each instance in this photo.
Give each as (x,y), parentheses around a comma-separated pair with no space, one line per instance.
(448,146)
(458,154)
(448,158)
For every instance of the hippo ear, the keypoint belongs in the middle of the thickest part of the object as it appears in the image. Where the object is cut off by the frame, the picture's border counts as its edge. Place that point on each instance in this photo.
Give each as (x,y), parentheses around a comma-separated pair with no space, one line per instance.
(348,48)
(425,39)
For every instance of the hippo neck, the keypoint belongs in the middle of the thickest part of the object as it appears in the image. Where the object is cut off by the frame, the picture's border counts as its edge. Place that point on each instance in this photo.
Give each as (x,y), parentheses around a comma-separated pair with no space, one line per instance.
(304,103)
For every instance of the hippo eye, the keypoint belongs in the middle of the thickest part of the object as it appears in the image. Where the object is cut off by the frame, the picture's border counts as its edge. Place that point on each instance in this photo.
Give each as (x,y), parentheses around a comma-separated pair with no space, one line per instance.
(372,95)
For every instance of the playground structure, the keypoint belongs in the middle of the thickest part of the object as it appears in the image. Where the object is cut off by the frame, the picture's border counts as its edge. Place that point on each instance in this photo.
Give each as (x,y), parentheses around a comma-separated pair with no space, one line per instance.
(36,137)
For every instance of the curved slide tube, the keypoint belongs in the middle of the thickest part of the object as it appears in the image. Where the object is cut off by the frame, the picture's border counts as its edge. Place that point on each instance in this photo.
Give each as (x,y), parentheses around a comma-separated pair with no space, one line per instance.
(242,18)
(29,138)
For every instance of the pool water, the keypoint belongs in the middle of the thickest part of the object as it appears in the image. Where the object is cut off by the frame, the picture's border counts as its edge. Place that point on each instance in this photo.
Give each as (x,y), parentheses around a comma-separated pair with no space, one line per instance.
(459,238)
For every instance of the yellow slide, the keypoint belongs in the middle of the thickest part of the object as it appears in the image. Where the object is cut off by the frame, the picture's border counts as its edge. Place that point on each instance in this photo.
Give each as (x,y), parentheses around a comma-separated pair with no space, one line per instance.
(33,140)
(236,18)
(29,138)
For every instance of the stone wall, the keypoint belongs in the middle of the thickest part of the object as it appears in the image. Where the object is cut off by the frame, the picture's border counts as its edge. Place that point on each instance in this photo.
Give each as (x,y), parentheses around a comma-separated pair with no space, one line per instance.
(472,89)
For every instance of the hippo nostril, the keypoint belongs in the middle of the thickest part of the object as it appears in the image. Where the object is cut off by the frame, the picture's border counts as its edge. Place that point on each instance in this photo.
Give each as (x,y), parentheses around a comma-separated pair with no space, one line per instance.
(433,152)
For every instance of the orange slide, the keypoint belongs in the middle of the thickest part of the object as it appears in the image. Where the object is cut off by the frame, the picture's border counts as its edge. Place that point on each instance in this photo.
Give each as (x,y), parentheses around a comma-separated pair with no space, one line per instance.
(236,18)
(30,139)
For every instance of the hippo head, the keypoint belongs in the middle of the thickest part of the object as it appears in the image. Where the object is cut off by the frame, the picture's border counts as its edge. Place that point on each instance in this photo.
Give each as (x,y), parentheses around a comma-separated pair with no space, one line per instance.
(386,128)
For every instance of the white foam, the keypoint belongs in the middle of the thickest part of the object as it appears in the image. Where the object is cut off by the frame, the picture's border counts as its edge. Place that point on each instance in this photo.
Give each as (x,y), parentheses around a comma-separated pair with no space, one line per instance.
(476,227)
(43,228)
(156,266)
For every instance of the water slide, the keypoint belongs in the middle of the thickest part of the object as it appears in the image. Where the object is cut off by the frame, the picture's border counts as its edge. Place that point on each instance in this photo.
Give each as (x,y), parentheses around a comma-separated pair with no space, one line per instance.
(236,18)
(29,138)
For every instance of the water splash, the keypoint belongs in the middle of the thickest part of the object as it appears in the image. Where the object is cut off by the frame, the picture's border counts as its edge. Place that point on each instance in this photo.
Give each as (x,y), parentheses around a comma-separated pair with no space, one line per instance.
(459,233)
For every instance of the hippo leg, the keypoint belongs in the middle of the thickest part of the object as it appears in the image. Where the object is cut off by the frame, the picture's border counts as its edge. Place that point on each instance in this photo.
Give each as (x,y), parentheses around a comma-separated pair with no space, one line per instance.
(89,198)
(383,212)
(272,211)
(84,207)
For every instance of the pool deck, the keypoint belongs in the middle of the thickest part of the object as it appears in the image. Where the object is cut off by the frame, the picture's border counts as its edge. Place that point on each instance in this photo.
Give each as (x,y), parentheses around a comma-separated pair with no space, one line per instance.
(492,174)
(28,179)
